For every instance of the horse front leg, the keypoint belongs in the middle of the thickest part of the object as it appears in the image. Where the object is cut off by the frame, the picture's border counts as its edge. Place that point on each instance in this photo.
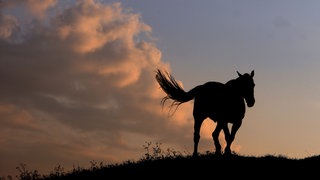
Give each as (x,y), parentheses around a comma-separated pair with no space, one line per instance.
(230,138)
(215,136)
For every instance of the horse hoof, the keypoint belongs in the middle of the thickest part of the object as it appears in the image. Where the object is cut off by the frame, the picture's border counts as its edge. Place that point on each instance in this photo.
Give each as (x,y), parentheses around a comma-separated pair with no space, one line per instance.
(195,155)
(227,153)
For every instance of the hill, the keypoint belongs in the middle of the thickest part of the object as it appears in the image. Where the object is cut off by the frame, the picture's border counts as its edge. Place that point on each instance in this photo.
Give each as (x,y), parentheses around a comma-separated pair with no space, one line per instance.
(169,164)
(209,166)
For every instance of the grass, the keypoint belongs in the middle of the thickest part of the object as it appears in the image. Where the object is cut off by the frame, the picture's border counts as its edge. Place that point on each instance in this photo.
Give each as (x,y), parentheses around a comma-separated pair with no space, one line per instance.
(168,164)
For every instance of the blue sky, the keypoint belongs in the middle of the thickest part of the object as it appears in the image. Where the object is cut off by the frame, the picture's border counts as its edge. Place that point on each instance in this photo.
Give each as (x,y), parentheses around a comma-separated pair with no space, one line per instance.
(79,77)
(210,40)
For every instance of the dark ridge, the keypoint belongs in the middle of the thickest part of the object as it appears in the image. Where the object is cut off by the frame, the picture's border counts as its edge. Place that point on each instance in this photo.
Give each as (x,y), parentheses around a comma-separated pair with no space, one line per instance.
(208,166)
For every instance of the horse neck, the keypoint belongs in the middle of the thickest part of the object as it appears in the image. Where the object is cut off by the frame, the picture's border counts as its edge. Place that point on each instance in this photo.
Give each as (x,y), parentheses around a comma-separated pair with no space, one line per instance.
(235,85)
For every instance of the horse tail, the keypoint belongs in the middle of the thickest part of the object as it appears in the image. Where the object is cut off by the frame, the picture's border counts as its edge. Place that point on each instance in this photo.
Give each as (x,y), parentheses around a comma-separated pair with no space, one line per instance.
(173,90)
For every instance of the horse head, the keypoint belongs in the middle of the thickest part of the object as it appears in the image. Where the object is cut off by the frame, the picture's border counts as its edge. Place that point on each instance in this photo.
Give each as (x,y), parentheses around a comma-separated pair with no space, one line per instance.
(247,87)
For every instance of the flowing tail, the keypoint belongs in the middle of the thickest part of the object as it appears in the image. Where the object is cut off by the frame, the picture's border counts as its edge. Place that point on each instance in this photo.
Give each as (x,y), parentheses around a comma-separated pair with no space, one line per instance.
(173,90)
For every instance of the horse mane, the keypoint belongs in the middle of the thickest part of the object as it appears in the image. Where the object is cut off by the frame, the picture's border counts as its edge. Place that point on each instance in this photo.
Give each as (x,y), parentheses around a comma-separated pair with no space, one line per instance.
(235,83)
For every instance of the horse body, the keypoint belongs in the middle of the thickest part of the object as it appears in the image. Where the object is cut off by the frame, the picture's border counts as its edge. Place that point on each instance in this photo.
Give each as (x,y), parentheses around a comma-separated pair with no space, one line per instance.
(222,103)
(217,101)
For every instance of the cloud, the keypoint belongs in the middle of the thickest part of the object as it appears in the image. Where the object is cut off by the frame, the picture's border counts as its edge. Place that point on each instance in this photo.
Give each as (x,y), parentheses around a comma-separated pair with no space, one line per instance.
(79,85)
(9,25)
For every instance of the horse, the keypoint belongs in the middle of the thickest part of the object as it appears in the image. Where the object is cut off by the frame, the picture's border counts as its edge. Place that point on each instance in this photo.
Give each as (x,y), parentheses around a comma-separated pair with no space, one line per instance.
(223,103)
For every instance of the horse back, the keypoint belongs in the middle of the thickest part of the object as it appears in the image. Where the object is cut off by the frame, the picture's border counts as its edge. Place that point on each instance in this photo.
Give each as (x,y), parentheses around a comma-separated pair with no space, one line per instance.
(215,90)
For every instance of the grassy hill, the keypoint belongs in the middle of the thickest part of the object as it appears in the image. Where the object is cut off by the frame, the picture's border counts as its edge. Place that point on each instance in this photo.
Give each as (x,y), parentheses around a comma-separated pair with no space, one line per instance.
(159,164)
(208,166)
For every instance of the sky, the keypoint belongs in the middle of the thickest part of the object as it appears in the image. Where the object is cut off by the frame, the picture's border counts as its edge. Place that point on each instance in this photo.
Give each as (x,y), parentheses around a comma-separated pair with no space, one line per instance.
(78,81)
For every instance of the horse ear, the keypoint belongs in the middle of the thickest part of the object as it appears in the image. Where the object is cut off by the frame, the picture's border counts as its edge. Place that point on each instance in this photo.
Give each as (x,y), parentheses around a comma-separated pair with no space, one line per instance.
(239,74)
(252,73)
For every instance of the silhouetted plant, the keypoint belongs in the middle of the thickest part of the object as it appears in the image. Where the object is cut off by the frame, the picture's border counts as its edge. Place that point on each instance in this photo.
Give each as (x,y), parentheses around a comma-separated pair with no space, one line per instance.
(95,166)
(4,178)
(57,172)
(26,174)
(156,152)
(76,169)
(172,153)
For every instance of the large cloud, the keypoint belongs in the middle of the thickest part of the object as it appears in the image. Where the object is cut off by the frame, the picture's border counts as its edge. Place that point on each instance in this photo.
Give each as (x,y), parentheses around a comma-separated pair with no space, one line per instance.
(79,85)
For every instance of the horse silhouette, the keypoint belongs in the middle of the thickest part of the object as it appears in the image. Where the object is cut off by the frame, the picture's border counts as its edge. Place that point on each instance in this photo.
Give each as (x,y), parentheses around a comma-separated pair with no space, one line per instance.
(221,102)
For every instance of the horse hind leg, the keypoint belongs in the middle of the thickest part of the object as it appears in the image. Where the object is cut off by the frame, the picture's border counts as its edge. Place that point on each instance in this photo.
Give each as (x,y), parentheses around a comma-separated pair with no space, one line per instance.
(228,139)
(196,135)
(215,136)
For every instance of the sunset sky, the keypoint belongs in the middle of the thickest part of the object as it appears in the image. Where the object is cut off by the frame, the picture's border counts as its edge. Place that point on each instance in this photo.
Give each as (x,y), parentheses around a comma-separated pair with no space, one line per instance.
(77,77)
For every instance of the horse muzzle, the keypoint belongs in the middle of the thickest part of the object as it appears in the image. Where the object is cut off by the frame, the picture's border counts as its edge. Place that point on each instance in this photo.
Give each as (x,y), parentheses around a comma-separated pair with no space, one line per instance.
(251,103)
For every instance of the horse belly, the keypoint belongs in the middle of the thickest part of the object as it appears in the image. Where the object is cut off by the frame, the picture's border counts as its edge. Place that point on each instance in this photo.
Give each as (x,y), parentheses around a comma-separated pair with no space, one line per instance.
(232,113)
(219,108)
